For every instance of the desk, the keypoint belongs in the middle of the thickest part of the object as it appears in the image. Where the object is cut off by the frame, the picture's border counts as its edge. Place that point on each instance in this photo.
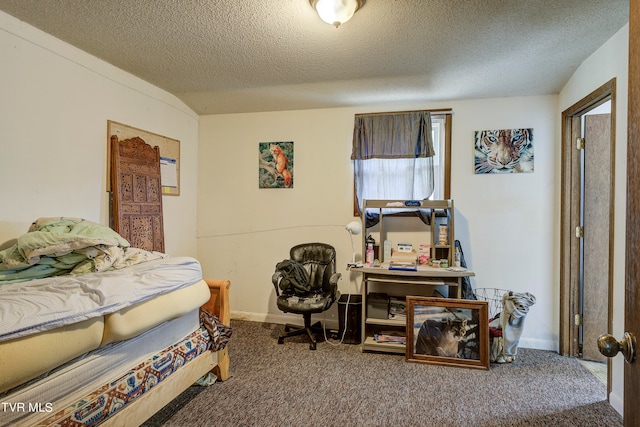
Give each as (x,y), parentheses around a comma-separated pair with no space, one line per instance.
(424,276)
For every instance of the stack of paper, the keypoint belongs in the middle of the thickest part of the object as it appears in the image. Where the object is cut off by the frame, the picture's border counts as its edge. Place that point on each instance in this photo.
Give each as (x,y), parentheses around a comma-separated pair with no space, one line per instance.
(391,337)
(397,309)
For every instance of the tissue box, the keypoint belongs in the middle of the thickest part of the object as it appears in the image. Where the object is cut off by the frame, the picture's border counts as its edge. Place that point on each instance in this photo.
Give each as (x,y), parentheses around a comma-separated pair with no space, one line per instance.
(424,254)
(405,247)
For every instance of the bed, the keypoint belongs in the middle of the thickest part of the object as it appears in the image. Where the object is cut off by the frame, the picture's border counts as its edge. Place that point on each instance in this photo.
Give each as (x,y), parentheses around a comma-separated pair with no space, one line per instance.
(94,332)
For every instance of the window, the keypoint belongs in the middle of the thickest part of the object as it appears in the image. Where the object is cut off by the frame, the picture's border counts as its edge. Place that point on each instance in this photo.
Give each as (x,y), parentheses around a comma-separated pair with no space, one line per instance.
(441,135)
(389,175)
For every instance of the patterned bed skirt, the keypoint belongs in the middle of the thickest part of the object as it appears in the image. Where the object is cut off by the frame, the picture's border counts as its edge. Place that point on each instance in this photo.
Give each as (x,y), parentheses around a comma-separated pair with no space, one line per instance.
(112,397)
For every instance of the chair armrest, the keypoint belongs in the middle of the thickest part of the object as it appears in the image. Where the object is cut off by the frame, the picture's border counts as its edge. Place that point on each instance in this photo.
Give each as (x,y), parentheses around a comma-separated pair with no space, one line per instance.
(333,282)
(334,278)
(275,279)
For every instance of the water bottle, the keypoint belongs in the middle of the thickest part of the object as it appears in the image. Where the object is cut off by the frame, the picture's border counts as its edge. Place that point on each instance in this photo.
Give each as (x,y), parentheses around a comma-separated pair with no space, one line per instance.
(369,254)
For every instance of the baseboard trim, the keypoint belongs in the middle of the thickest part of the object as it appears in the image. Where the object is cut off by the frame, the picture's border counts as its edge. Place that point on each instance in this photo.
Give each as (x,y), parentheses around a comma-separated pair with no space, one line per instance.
(538,344)
(283,318)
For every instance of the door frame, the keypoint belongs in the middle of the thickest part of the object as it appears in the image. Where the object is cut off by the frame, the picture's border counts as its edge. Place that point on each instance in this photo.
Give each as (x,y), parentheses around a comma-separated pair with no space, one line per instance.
(570,218)
(632,223)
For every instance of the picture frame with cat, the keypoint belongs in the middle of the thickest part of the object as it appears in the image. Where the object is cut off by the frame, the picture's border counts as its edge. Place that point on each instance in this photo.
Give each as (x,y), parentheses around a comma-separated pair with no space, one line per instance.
(448,331)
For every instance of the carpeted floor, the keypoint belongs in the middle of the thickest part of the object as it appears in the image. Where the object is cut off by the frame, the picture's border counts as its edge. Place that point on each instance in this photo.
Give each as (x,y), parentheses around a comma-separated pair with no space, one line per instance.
(290,385)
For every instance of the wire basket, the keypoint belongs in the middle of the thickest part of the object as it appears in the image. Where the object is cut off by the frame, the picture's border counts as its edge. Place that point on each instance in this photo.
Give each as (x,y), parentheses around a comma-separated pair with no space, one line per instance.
(494,297)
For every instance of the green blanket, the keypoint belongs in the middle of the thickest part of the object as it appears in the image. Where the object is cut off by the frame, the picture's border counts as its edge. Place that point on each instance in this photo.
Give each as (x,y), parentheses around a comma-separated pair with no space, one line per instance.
(55,246)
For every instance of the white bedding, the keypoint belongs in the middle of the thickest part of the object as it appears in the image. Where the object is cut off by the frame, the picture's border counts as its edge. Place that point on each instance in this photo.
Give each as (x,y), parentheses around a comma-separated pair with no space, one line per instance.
(44,304)
(25,358)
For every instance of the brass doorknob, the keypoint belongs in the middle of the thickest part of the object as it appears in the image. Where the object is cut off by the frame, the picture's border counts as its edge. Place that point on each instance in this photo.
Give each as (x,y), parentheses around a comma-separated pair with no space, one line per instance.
(609,346)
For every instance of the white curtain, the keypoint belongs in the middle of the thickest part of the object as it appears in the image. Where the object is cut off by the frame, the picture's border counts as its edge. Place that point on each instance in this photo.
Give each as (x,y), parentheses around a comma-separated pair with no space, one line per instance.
(401,179)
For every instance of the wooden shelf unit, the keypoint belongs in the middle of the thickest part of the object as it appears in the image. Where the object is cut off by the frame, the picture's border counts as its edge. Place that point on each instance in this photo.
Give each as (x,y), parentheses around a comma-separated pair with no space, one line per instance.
(441,212)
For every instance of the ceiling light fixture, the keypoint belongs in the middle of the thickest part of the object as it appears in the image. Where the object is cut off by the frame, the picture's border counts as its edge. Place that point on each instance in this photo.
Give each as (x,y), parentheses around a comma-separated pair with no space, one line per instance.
(336,12)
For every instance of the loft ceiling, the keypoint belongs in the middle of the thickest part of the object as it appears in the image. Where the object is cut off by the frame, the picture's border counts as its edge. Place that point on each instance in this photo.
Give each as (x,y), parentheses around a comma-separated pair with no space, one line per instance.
(232,56)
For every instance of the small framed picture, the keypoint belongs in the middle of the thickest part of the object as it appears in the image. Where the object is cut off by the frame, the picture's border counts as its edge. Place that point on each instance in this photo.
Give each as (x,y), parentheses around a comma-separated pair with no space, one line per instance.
(275,164)
(447,331)
(501,151)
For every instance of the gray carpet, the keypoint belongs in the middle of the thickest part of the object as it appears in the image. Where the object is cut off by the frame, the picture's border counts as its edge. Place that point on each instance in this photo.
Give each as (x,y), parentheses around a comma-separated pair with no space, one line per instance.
(290,385)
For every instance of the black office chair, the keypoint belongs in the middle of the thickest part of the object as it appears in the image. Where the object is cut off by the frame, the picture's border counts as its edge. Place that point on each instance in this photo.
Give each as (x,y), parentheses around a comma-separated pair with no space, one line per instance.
(306,283)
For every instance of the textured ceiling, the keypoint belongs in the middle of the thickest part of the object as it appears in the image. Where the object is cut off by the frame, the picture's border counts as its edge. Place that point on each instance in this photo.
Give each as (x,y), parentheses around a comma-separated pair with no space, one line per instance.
(229,56)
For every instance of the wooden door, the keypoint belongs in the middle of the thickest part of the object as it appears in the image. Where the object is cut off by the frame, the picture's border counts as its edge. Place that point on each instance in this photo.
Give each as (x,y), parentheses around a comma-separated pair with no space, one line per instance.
(597,238)
(632,257)
(136,205)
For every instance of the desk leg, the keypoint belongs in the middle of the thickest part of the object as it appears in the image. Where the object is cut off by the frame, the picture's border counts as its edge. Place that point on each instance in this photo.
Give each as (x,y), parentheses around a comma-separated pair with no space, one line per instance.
(363,312)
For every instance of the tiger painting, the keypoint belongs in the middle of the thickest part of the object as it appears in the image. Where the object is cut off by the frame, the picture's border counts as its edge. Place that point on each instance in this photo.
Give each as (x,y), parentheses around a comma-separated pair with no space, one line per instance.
(504,151)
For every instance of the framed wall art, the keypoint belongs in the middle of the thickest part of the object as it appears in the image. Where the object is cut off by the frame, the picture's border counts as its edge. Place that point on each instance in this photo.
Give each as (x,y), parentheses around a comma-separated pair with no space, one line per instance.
(275,165)
(447,331)
(169,154)
(503,151)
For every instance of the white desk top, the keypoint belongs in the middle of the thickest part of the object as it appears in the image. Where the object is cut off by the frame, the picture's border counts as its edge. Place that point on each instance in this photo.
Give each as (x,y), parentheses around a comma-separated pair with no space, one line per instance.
(423,271)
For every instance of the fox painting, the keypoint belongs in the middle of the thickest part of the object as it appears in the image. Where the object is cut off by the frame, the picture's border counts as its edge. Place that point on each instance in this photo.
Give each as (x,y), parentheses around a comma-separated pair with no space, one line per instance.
(281,163)
(276,164)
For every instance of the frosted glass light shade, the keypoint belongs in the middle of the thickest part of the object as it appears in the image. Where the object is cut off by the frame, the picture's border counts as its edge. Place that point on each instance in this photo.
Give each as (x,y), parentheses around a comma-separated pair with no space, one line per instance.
(336,12)
(354,227)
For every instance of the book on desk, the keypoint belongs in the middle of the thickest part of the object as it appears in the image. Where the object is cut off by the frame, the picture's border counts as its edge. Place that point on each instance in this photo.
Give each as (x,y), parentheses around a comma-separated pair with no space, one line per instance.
(405,261)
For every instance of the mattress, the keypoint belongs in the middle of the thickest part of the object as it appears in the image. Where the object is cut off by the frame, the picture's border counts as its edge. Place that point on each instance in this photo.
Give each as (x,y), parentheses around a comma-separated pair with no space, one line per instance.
(90,372)
(44,304)
(131,321)
(24,358)
(27,357)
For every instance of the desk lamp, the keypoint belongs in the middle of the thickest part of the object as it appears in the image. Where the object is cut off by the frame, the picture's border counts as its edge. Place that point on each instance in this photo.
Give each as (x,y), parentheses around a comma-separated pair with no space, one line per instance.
(354,227)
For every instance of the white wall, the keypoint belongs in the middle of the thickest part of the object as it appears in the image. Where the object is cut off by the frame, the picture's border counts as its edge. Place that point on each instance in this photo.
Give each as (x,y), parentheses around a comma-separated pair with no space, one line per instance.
(610,61)
(54,105)
(505,223)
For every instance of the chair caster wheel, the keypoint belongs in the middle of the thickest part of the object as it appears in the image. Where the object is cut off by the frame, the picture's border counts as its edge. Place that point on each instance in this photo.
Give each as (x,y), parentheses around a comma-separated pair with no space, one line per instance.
(312,346)
(280,340)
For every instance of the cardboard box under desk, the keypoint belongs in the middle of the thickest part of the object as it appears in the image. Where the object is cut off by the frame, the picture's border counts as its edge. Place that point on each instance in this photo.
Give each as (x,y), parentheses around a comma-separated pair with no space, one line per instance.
(378,305)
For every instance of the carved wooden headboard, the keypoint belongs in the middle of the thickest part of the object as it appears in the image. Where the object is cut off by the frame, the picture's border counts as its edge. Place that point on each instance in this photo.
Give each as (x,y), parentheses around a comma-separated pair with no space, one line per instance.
(136,193)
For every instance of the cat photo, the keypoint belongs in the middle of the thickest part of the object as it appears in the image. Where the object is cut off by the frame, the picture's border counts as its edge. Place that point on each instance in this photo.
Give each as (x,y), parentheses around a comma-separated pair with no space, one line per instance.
(447,332)
(275,165)
(503,151)
(441,337)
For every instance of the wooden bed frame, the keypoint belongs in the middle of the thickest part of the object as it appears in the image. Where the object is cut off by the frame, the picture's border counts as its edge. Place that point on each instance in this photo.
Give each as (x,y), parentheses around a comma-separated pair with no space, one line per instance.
(155,399)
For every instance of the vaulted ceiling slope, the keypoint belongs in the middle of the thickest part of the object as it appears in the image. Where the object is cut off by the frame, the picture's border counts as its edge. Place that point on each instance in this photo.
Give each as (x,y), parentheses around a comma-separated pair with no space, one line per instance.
(231,56)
